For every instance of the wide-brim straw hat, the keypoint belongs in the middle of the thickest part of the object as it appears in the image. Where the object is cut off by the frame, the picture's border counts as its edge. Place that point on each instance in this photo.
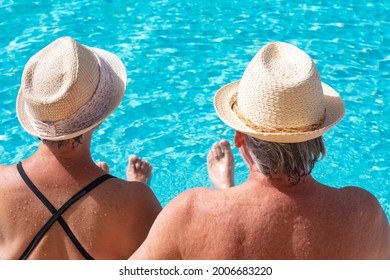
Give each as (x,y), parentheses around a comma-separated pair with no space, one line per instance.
(280,98)
(68,89)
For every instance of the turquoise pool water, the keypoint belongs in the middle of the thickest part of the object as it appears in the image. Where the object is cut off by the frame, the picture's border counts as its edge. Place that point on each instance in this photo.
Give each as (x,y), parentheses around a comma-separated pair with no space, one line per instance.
(178,53)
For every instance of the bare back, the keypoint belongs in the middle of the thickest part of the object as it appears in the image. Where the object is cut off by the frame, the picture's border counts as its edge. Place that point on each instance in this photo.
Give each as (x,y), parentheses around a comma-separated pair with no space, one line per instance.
(110,222)
(257,222)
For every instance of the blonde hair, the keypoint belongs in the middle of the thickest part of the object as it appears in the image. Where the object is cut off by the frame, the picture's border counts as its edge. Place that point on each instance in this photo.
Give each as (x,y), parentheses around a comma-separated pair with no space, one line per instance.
(295,160)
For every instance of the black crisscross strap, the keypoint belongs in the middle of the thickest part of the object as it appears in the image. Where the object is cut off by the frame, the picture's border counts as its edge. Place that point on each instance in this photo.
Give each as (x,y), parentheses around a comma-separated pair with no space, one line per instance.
(57,213)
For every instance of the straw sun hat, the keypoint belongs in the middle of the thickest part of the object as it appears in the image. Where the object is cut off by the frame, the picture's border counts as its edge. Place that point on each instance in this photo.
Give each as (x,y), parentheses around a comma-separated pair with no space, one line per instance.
(68,88)
(280,98)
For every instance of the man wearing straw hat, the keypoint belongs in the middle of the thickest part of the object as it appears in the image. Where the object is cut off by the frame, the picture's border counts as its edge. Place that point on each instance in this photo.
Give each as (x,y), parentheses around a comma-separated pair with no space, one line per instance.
(279,110)
(58,204)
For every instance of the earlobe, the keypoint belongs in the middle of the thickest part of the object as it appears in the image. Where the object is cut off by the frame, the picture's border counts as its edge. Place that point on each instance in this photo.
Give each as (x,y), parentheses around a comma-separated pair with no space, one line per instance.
(238,139)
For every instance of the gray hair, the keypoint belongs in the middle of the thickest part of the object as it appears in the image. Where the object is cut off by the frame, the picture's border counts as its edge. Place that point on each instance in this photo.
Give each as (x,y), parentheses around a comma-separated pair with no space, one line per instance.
(295,160)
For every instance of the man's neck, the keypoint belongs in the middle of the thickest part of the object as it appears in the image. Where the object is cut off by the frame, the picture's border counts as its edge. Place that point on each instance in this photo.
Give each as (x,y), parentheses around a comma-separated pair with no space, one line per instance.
(280,181)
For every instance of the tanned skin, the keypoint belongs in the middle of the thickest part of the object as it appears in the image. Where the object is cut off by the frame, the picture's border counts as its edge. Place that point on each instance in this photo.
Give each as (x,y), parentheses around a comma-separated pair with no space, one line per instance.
(110,222)
(267,218)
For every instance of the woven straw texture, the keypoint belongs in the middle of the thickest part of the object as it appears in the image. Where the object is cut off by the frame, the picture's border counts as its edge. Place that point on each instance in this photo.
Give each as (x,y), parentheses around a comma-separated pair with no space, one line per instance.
(68,88)
(280,98)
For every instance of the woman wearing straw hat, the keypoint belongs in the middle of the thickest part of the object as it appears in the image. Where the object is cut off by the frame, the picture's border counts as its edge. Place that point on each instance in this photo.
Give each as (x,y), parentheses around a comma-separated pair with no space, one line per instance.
(58,204)
(279,110)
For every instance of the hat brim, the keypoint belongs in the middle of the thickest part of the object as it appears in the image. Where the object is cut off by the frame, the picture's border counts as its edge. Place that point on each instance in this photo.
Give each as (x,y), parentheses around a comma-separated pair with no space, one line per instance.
(334,113)
(119,76)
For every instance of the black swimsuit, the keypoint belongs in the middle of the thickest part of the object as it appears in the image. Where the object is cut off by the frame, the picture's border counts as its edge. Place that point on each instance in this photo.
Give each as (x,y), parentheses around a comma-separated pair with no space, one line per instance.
(57,213)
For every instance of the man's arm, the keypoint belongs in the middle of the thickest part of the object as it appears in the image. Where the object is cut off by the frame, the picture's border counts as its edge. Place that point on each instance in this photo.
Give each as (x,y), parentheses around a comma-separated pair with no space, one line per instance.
(374,222)
(176,230)
(167,237)
(383,231)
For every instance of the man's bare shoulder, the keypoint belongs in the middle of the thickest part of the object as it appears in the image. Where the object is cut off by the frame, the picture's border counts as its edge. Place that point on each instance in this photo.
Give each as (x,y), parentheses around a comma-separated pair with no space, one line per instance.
(169,234)
(369,212)
(361,200)
(185,208)
(359,196)
(191,200)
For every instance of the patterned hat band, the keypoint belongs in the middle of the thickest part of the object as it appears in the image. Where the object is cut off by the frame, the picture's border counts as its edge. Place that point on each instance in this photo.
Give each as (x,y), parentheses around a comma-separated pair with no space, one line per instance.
(86,115)
(234,106)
